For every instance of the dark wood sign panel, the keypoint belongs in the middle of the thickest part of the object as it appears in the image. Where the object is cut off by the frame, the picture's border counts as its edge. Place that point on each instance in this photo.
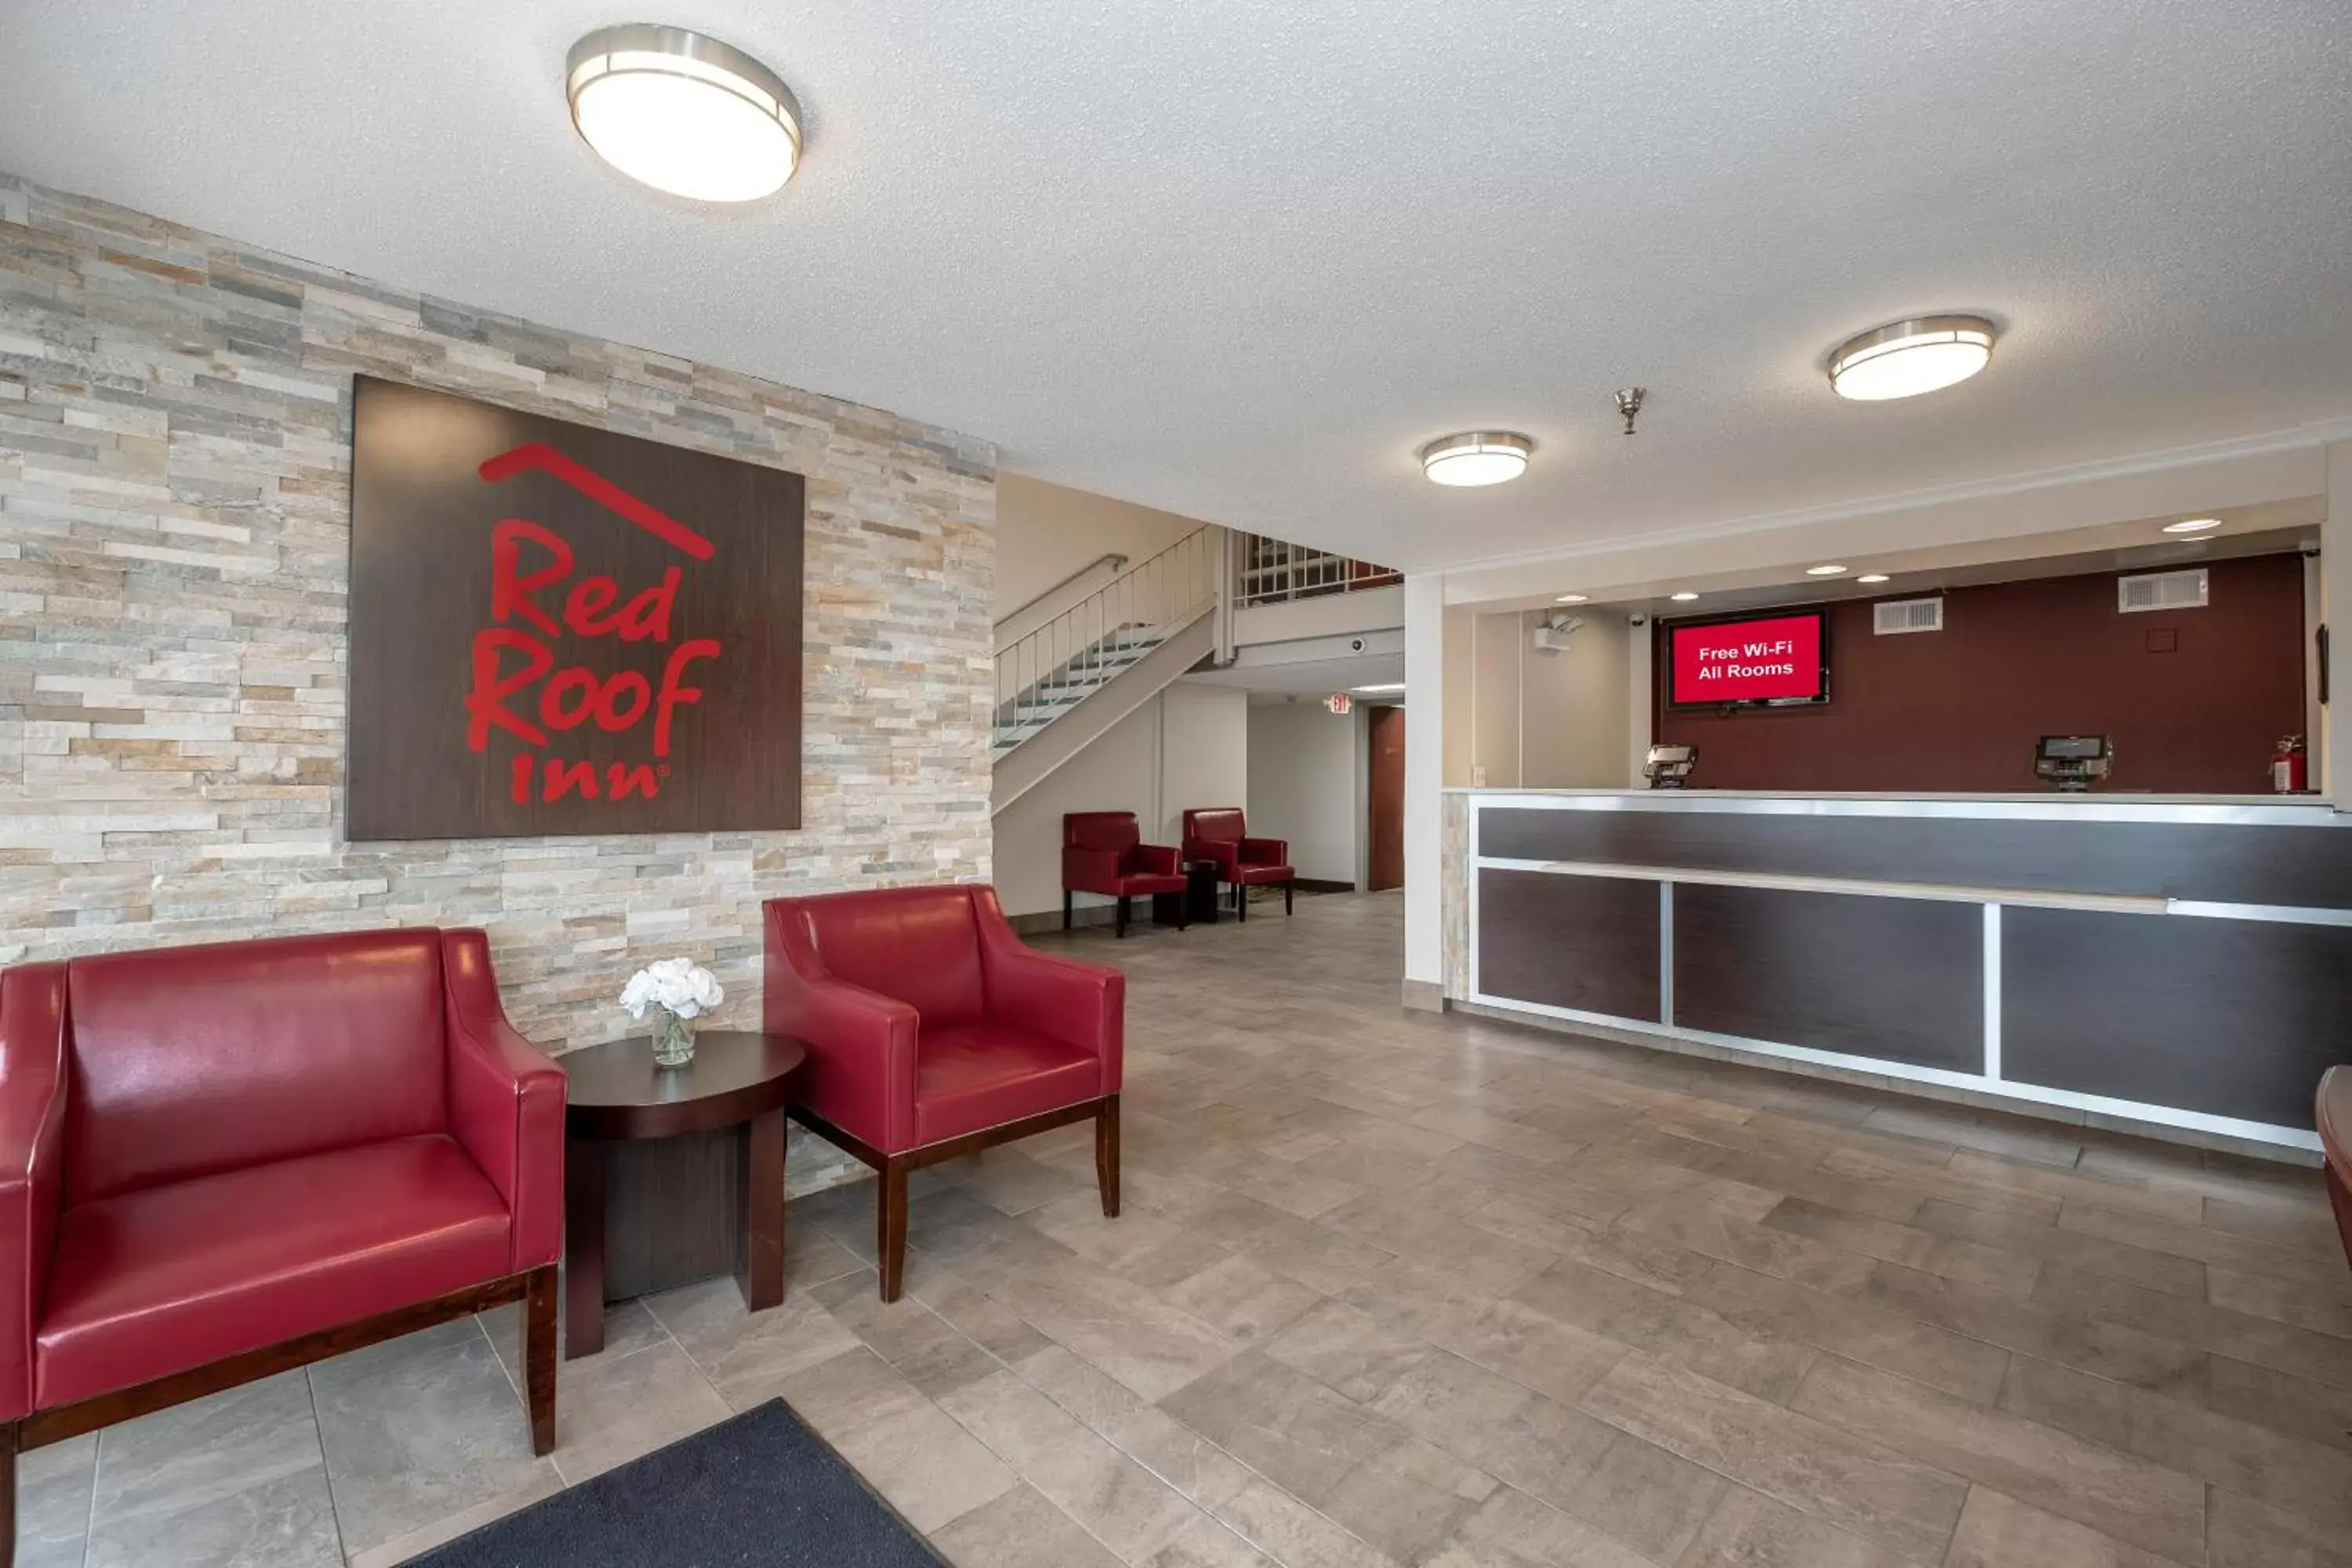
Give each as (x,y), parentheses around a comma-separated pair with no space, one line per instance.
(561,630)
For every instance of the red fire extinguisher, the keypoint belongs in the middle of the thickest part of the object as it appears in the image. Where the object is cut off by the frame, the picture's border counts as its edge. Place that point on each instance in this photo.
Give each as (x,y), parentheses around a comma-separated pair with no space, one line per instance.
(2288,768)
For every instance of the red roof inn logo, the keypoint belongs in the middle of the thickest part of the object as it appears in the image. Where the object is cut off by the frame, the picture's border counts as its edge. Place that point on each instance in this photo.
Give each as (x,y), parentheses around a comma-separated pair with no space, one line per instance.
(556,629)
(514,665)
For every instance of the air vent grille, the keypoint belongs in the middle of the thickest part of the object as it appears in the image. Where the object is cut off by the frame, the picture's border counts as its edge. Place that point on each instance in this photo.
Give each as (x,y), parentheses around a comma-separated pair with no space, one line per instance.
(2161,591)
(1892,617)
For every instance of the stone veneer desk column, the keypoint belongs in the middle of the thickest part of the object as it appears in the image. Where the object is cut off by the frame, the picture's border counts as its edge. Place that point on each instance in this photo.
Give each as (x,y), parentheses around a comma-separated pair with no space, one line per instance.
(2160,963)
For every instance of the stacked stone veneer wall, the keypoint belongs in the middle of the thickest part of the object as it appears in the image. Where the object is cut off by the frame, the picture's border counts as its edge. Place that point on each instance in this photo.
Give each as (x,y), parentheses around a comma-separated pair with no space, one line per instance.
(174,550)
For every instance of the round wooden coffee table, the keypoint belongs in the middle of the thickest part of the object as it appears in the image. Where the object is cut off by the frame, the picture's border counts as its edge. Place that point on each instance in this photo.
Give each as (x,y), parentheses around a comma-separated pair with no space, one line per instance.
(674,1173)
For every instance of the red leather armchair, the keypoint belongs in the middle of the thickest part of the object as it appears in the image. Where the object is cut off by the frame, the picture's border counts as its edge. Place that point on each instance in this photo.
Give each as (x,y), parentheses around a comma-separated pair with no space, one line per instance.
(931,1032)
(1221,833)
(1104,852)
(223,1161)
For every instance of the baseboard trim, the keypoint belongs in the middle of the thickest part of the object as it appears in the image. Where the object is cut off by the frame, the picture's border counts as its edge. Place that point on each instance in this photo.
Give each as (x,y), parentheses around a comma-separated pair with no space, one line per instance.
(1319,885)
(1424,996)
(2160,1132)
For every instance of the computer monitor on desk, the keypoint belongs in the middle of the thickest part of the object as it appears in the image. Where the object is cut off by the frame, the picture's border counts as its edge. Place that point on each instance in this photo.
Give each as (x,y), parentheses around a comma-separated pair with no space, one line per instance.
(2074,763)
(1668,767)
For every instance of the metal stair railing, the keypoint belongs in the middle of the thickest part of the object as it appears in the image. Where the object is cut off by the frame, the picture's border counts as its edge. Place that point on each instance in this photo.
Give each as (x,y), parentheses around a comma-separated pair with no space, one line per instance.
(1053,668)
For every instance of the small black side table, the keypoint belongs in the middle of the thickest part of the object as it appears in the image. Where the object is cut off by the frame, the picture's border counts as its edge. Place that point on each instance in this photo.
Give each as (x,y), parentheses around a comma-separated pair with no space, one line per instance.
(695,1159)
(1200,890)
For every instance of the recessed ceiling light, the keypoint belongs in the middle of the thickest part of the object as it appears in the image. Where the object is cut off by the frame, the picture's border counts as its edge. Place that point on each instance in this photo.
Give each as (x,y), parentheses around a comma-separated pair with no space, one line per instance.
(1871,577)
(1571,599)
(1477,457)
(683,113)
(1825,571)
(1384,685)
(2193,525)
(1684,597)
(1904,359)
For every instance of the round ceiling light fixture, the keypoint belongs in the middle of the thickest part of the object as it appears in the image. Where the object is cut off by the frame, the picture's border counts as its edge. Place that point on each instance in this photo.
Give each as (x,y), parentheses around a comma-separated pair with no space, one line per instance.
(2193,525)
(1825,569)
(1571,599)
(1904,359)
(1871,577)
(1477,457)
(683,113)
(1684,597)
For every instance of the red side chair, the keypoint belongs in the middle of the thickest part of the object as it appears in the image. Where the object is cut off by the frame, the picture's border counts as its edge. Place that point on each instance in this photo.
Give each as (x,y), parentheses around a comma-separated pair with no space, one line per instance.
(2335,1107)
(933,1032)
(1221,833)
(220,1161)
(1104,852)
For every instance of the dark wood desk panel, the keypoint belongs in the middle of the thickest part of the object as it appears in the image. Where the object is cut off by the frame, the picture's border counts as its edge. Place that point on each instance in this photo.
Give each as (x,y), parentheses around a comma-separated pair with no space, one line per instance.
(1898,979)
(2229,1017)
(2217,862)
(1586,943)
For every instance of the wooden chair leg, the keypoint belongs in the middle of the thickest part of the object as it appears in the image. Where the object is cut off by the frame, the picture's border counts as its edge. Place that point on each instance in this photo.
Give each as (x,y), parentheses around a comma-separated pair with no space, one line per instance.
(1241,902)
(1288,889)
(1066,909)
(1118,924)
(891,1227)
(539,1358)
(8,1495)
(1106,1153)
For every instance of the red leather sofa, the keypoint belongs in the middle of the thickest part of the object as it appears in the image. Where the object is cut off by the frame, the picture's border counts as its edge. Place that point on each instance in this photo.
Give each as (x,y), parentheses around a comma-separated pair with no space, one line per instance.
(1103,852)
(931,1032)
(1221,834)
(220,1161)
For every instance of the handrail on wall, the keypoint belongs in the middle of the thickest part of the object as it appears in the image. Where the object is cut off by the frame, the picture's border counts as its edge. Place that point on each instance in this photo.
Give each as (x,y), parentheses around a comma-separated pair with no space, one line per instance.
(1107,558)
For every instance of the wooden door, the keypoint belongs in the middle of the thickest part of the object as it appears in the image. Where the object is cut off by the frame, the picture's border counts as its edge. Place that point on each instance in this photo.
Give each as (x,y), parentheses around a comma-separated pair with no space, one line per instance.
(1385,800)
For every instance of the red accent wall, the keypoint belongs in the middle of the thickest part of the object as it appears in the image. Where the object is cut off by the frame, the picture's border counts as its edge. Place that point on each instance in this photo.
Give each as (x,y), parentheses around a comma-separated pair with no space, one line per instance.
(1961,709)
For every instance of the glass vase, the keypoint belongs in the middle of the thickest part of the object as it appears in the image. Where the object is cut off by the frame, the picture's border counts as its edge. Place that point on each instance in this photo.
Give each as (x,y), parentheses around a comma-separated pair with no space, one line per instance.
(673,1040)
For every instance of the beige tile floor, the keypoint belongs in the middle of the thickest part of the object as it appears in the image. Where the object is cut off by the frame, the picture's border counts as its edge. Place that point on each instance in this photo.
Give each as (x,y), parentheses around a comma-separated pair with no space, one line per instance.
(1393,1291)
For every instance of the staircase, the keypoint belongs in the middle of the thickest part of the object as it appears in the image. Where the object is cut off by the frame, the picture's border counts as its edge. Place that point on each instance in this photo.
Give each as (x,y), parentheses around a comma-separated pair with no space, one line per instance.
(1067,682)
(1094,666)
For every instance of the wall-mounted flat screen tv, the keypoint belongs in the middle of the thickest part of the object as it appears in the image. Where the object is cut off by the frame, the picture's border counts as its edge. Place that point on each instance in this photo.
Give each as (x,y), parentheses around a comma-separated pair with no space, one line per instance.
(1767,661)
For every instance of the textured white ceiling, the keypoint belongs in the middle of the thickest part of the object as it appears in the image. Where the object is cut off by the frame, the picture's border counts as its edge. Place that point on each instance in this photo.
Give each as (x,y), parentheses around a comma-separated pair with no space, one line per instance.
(1236,259)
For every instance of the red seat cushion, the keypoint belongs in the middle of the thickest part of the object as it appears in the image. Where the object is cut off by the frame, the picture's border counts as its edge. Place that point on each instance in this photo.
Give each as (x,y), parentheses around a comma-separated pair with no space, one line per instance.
(984,1075)
(159,1280)
(1258,874)
(1138,884)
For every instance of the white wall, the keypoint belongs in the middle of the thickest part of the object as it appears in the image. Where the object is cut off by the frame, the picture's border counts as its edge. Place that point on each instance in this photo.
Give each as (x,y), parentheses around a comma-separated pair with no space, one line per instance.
(1303,784)
(1436,672)
(1189,746)
(1044,533)
(1204,760)
(1573,708)
(2334,760)
(1550,721)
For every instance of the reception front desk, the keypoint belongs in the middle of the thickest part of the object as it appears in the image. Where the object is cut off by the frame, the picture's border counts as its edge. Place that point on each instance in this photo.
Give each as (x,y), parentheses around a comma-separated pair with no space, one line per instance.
(2181,963)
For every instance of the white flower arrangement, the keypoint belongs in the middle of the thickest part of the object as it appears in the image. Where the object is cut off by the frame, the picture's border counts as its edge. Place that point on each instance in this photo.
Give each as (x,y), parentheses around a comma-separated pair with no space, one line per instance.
(678,986)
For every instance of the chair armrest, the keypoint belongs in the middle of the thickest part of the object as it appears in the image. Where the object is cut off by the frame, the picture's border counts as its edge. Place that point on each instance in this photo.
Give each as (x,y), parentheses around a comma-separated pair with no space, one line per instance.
(1158,860)
(506,1101)
(1089,871)
(1266,851)
(32,1150)
(860,1074)
(1223,851)
(1080,1005)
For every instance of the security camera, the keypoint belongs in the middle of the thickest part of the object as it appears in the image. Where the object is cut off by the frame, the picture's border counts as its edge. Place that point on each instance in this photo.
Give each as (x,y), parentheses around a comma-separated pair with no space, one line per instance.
(1637,619)
(1355,645)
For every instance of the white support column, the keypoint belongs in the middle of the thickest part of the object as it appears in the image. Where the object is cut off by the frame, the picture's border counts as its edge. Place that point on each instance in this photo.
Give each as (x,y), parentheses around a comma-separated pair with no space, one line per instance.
(1425,720)
(2332,747)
